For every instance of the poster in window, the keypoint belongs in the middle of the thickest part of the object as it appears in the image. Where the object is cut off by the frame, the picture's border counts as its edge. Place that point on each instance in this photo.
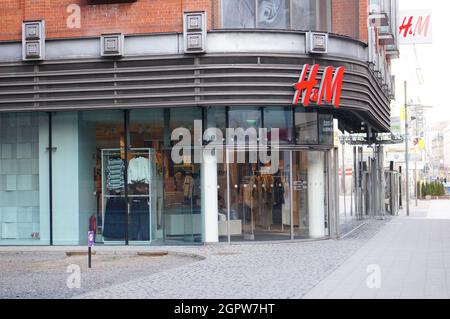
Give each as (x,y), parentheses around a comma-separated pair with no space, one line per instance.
(273,14)
(239,14)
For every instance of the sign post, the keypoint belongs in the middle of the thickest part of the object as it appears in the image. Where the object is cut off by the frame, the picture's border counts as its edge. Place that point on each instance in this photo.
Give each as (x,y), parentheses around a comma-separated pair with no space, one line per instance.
(91,237)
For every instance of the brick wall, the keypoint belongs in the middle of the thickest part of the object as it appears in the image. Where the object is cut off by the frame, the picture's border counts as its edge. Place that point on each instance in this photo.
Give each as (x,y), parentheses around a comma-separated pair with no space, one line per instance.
(345,17)
(363,18)
(143,16)
(349,17)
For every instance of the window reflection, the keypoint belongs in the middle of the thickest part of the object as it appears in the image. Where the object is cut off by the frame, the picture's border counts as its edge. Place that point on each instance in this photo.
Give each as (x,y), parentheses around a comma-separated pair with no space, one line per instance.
(239,14)
(306,127)
(280,118)
(245,118)
(273,14)
(277,14)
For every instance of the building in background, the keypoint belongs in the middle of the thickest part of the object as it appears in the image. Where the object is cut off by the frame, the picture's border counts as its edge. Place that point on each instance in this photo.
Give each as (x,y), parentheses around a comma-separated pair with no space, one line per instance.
(91,91)
(440,151)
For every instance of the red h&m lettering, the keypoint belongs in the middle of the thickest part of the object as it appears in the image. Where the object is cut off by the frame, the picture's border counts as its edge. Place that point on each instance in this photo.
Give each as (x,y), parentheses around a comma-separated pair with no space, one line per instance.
(406,27)
(330,87)
(421,26)
(305,87)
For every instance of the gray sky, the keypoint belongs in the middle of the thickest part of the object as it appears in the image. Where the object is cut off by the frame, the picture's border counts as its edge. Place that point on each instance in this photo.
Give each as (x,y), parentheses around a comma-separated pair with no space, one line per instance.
(430,58)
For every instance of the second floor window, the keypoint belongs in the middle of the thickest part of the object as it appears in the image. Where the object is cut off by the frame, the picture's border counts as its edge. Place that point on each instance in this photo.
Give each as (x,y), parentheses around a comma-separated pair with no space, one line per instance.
(302,15)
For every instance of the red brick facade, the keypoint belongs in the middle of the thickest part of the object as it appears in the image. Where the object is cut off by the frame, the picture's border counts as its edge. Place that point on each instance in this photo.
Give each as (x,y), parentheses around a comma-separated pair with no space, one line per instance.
(349,17)
(144,16)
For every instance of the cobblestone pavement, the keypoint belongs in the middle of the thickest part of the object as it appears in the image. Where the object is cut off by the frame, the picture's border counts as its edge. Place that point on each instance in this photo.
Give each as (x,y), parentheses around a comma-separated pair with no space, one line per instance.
(285,270)
(410,258)
(42,274)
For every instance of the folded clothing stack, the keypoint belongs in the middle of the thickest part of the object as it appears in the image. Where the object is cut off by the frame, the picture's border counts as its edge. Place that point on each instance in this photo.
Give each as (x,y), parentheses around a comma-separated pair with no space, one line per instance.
(114,174)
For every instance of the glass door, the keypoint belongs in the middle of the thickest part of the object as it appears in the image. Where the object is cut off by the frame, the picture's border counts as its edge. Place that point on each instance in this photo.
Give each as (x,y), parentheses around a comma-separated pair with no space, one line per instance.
(259,199)
(310,211)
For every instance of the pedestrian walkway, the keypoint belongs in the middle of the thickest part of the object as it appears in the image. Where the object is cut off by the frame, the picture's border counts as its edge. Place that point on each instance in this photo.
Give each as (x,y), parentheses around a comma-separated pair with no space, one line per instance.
(409,258)
(253,271)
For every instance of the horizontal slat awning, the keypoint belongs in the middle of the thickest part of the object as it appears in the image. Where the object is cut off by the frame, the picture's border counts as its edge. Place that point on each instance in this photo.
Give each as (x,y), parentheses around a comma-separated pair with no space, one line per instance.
(175,81)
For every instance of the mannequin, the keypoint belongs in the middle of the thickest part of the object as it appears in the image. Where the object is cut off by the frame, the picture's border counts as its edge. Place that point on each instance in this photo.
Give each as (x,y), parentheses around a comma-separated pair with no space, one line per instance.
(188,187)
(267,199)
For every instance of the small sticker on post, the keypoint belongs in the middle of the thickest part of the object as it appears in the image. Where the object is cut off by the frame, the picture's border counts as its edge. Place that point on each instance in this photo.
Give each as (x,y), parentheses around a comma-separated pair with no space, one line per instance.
(91,239)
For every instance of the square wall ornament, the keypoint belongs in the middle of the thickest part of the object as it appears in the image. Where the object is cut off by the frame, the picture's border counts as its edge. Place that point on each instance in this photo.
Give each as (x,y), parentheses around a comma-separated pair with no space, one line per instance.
(32,31)
(194,41)
(194,22)
(33,40)
(32,49)
(194,32)
(317,42)
(112,44)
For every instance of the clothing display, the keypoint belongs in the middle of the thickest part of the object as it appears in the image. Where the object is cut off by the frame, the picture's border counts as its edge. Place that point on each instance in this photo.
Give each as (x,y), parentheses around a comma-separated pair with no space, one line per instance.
(251,192)
(188,187)
(286,209)
(115,220)
(139,170)
(178,181)
(267,200)
(139,220)
(127,215)
(278,190)
(114,174)
(278,200)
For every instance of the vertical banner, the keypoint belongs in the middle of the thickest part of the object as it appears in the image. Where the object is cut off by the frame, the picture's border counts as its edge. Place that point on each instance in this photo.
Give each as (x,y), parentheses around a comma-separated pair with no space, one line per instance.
(415,27)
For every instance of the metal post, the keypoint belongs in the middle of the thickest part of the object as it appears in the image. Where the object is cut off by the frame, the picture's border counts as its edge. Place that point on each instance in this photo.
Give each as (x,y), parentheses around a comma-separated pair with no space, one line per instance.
(125,173)
(343,180)
(89,257)
(229,195)
(415,164)
(356,178)
(406,149)
(415,182)
(50,175)
(400,204)
(291,190)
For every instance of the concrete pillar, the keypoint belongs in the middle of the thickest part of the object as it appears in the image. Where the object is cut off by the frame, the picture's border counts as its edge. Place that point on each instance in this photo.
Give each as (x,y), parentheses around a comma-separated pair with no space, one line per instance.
(209,198)
(316,194)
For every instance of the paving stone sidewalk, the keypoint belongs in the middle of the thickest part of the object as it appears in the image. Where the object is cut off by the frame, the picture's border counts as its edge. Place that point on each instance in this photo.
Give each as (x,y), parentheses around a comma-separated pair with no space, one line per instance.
(267,271)
(410,256)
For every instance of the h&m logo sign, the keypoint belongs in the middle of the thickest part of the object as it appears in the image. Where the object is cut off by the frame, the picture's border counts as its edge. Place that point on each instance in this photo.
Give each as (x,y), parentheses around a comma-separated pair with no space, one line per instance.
(308,89)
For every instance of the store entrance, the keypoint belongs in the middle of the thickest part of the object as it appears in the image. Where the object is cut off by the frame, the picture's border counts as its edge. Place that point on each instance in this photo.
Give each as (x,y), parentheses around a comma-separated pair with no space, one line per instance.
(310,212)
(260,201)
(287,203)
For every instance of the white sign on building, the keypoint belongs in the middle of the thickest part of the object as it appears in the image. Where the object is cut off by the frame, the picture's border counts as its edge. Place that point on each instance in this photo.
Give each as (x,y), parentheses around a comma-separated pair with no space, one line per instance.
(415,27)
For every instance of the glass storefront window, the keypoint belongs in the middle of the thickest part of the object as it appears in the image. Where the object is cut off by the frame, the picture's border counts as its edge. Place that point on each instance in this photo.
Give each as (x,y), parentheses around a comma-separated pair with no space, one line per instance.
(145,190)
(306,130)
(216,117)
(88,181)
(244,117)
(24,198)
(309,210)
(155,200)
(326,129)
(277,14)
(182,185)
(139,195)
(280,118)
(260,202)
